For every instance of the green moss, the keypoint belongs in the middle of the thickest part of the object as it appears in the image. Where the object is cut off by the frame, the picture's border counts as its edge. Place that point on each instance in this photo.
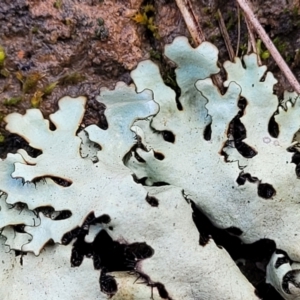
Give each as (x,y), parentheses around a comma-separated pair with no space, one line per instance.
(230,22)
(30,82)
(49,88)
(34,29)
(19,76)
(208,24)
(2,138)
(101,33)
(265,55)
(295,11)
(100,21)
(289,58)
(2,116)
(206,10)
(243,49)
(58,4)
(68,21)
(12,101)
(280,45)
(261,51)
(213,38)
(170,80)
(146,17)
(37,98)
(4,72)
(2,56)
(71,78)
(155,54)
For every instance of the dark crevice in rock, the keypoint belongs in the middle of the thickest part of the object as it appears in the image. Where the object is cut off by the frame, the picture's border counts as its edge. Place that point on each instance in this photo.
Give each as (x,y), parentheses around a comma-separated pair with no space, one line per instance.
(257,252)
(163,293)
(290,277)
(168,136)
(21,254)
(19,205)
(64,214)
(14,142)
(60,181)
(234,231)
(166,67)
(283,260)
(237,128)
(49,212)
(266,291)
(52,127)
(141,181)
(266,190)
(296,161)
(159,155)
(160,183)
(179,106)
(238,131)
(108,255)
(273,127)
(207,132)
(108,284)
(161,290)
(138,158)
(19,228)
(245,150)
(243,177)
(242,103)
(109,69)
(152,200)
(46,210)
(132,151)
(94,113)
(103,124)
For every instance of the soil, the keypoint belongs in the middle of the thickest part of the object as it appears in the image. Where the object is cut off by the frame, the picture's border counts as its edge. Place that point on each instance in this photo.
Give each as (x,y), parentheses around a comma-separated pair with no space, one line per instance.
(55,48)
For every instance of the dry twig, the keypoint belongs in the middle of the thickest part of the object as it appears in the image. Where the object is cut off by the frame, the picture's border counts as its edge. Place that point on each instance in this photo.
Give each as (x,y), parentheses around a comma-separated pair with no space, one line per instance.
(195,30)
(239,31)
(252,40)
(191,21)
(269,45)
(225,35)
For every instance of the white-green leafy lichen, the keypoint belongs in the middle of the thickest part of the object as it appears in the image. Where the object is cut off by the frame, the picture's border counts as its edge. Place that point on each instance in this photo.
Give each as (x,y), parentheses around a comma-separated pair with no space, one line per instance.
(152,139)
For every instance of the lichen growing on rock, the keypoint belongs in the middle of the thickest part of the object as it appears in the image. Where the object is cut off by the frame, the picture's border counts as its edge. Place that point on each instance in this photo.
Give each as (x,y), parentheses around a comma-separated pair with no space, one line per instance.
(87,186)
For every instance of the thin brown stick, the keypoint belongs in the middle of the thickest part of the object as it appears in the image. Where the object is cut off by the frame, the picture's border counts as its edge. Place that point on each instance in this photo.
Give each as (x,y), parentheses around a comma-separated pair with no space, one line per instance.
(252,40)
(191,21)
(239,31)
(269,45)
(225,35)
(195,30)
